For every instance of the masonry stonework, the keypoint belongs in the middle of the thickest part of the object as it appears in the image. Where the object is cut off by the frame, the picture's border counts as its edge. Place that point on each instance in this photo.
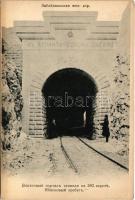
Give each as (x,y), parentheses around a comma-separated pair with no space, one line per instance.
(66,40)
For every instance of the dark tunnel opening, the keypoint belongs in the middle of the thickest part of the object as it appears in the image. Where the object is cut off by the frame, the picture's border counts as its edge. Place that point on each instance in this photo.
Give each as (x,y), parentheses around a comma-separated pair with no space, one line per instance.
(69,99)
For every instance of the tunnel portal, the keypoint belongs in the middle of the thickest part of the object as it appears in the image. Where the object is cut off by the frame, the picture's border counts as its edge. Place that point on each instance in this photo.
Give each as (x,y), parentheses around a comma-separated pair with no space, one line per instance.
(69,99)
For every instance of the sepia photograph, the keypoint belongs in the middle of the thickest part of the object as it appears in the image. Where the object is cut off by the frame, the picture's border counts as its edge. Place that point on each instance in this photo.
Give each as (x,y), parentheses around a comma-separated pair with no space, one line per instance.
(67,91)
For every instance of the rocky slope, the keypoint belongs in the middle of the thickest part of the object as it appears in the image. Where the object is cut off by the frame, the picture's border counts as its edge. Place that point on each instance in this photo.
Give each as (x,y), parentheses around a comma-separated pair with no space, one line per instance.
(120,107)
(12,102)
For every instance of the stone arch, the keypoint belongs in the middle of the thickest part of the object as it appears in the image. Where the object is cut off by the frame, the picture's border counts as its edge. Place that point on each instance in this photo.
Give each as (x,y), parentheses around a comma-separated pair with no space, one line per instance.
(37,124)
(73,93)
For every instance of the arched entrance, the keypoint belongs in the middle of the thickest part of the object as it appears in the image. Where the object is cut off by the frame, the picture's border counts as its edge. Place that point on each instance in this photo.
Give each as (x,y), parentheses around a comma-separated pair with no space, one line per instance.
(69,96)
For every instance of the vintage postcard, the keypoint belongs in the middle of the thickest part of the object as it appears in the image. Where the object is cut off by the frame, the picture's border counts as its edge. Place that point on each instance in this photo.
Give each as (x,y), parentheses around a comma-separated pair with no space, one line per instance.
(67,100)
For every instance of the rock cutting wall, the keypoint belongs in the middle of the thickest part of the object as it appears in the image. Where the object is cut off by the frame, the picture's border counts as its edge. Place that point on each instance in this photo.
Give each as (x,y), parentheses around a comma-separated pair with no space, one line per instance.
(12,102)
(119,115)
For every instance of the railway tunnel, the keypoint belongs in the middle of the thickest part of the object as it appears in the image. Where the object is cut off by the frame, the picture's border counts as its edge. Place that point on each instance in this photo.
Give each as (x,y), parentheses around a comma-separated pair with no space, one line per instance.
(69,97)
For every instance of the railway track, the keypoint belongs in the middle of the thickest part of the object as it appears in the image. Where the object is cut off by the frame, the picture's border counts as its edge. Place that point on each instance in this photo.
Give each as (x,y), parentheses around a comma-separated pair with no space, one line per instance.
(68,158)
(73,163)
